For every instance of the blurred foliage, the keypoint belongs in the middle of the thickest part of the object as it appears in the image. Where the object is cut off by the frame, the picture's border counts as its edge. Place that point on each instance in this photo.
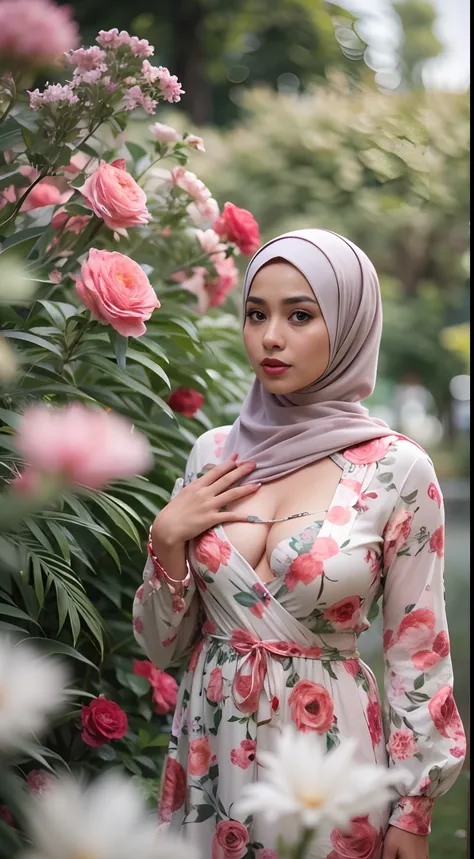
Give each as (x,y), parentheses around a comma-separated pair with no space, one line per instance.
(391,173)
(420,43)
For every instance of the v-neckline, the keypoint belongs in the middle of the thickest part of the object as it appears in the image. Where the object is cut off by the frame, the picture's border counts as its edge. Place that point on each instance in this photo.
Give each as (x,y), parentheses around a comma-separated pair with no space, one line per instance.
(277,577)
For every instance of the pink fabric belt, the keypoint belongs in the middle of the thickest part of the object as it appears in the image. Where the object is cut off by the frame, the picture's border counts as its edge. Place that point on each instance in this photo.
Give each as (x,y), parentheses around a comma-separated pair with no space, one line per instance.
(250,676)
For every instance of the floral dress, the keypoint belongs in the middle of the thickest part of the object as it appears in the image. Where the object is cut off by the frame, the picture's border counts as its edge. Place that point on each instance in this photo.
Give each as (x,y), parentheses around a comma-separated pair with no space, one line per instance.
(264,655)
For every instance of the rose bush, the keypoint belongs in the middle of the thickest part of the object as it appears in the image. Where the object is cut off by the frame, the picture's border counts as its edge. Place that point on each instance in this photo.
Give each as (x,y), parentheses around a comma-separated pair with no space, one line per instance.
(109,368)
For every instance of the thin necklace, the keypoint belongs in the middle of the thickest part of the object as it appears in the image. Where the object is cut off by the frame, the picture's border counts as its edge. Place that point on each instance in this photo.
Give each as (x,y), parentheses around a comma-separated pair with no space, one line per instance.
(283,518)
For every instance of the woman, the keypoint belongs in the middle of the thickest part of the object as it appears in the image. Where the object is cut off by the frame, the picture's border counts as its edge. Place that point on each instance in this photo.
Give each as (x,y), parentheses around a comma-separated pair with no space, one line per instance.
(273,607)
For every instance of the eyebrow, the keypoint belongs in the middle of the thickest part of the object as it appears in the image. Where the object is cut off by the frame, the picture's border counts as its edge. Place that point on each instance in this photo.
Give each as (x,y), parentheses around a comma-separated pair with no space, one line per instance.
(297,299)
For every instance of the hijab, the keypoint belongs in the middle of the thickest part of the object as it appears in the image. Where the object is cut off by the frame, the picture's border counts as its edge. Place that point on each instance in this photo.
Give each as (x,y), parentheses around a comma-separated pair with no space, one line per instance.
(284,432)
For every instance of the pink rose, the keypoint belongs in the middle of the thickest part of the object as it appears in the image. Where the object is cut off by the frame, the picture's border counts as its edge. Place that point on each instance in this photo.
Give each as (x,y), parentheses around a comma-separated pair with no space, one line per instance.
(373,560)
(214,690)
(338,515)
(45,194)
(189,182)
(204,215)
(425,659)
(36,33)
(244,756)
(344,614)
(416,629)
(173,790)
(441,644)
(416,814)
(164,133)
(374,721)
(230,840)
(199,756)
(114,196)
(193,660)
(324,548)
(312,707)
(211,551)
(185,401)
(437,541)
(396,533)
(39,781)
(240,227)
(435,494)
(305,568)
(352,666)
(117,291)
(219,287)
(368,451)
(195,141)
(363,841)
(164,686)
(444,713)
(82,445)
(402,745)
(62,220)
(102,721)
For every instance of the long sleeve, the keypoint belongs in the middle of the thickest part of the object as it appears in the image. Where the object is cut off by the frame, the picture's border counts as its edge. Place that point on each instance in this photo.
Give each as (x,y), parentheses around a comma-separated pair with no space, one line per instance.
(165,623)
(423,730)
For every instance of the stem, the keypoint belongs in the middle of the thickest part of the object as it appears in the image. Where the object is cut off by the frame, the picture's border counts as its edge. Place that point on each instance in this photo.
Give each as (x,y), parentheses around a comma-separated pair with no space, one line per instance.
(11,102)
(22,199)
(303,845)
(160,157)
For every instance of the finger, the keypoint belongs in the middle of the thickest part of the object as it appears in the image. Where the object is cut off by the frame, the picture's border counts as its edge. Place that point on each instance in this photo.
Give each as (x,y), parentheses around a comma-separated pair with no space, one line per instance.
(223,482)
(218,471)
(238,492)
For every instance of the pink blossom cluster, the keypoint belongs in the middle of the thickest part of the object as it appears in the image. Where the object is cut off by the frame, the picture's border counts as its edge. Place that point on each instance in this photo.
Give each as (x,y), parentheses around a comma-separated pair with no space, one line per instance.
(89,64)
(36,32)
(167,134)
(53,94)
(211,290)
(112,39)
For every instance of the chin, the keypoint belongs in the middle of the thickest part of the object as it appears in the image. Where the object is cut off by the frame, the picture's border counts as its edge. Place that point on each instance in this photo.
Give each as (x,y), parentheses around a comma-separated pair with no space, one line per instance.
(278,384)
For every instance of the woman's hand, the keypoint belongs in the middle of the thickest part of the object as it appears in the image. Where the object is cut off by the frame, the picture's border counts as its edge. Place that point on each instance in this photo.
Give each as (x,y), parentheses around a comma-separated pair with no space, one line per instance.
(400,844)
(198,506)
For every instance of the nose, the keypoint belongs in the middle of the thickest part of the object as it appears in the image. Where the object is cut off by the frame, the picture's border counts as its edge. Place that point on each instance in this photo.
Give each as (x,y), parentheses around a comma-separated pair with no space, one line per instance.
(273,337)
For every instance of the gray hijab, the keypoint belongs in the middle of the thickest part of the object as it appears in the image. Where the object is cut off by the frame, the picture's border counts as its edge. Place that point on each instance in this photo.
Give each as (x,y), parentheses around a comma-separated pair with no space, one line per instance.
(285,432)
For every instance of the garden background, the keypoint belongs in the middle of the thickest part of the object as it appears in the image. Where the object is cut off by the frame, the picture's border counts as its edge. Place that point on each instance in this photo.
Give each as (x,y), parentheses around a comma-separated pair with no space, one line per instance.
(303,124)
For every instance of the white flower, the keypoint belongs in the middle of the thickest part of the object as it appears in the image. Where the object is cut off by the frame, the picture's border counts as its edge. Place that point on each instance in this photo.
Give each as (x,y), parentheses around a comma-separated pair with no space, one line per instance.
(164,133)
(315,788)
(204,215)
(106,820)
(31,690)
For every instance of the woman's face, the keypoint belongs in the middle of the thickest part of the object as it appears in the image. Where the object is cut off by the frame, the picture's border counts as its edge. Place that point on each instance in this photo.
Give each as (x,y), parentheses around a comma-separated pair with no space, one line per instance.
(285,334)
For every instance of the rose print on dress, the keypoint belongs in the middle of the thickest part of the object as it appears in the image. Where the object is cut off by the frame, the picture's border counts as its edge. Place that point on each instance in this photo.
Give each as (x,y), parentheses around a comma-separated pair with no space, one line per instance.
(304,569)
(211,551)
(374,721)
(312,708)
(402,745)
(437,541)
(244,756)
(435,494)
(199,756)
(368,451)
(416,814)
(344,614)
(444,713)
(214,690)
(173,790)
(396,534)
(363,841)
(230,840)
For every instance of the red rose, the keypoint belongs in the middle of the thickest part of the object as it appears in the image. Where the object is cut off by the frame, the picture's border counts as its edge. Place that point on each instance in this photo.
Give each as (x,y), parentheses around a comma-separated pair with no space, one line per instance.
(186,401)
(416,816)
(6,815)
(368,451)
(165,687)
(425,659)
(214,690)
(211,551)
(437,541)
(199,756)
(435,494)
(173,790)
(416,629)
(312,707)
(305,568)
(230,840)
(240,227)
(374,721)
(244,756)
(102,721)
(362,842)
(441,643)
(395,534)
(344,614)
(444,713)
(352,666)
(402,745)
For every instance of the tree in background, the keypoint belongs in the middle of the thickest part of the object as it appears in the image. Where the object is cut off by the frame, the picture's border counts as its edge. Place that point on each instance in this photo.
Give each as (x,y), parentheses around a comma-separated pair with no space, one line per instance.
(419,43)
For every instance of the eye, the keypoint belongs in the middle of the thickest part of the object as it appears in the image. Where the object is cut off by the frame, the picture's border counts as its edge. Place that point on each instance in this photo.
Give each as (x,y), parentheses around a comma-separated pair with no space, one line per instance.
(255,315)
(300,316)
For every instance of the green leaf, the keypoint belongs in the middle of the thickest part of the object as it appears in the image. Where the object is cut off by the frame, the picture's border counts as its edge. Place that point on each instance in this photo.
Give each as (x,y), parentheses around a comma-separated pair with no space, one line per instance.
(22,236)
(13,611)
(385,477)
(12,419)
(119,345)
(246,599)
(409,499)
(419,681)
(10,135)
(151,365)
(32,338)
(135,150)
(58,648)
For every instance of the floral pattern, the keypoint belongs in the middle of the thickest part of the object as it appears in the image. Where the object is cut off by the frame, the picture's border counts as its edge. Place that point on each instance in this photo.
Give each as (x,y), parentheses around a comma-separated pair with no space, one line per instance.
(263,655)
